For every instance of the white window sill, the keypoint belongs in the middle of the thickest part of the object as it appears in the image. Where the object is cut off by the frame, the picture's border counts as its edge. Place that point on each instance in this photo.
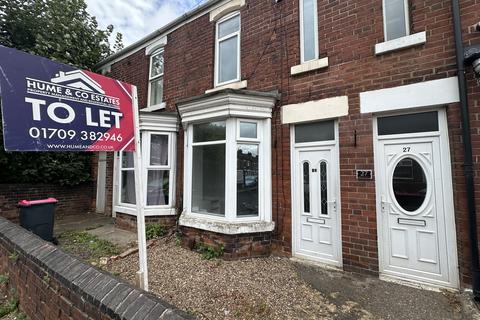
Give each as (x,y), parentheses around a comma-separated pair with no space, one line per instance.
(233,85)
(156,107)
(309,66)
(401,43)
(224,227)
(132,210)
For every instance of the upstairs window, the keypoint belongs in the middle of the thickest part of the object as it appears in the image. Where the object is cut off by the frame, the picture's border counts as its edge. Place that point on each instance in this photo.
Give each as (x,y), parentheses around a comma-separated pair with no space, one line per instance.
(227,45)
(396,21)
(308,30)
(156,79)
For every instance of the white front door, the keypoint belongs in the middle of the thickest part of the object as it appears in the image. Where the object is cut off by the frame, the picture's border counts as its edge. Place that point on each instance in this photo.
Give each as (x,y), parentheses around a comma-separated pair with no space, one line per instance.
(415,211)
(316,214)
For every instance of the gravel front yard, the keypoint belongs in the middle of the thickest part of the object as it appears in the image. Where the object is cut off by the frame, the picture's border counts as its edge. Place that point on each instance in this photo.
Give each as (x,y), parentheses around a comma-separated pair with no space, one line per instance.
(268,288)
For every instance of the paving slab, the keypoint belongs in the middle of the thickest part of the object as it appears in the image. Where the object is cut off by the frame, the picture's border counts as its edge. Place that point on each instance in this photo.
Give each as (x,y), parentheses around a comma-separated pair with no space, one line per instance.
(101,226)
(121,238)
(367,297)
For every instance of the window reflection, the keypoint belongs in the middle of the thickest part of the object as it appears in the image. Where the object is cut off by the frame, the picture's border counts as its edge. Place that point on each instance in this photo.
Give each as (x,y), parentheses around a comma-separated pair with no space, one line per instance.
(409,184)
(247,180)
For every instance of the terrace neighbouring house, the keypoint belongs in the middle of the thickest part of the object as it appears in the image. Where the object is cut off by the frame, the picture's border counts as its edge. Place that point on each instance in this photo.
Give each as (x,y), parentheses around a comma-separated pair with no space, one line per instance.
(326,131)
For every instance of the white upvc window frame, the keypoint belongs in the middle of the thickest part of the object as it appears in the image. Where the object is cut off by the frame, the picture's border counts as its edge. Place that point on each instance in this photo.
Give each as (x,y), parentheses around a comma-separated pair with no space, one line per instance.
(146,141)
(407,20)
(119,173)
(152,210)
(231,144)
(302,40)
(151,79)
(217,47)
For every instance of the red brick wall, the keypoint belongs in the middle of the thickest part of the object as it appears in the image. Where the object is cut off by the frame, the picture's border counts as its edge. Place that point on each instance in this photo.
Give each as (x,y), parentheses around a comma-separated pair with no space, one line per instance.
(348,32)
(50,284)
(129,222)
(71,200)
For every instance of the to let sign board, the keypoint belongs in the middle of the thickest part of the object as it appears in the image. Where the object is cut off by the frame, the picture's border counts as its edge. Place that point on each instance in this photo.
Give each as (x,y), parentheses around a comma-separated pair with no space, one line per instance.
(49,106)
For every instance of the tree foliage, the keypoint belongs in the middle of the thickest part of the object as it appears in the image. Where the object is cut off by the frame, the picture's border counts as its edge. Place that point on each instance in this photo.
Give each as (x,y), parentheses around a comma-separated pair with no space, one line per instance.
(64,31)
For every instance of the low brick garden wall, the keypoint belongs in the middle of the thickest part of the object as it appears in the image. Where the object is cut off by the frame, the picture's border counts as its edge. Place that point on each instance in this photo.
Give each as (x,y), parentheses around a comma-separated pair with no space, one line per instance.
(52,284)
(72,200)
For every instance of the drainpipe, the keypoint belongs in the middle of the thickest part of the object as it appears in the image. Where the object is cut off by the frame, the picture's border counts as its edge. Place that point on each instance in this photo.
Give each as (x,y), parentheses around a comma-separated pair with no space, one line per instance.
(467,150)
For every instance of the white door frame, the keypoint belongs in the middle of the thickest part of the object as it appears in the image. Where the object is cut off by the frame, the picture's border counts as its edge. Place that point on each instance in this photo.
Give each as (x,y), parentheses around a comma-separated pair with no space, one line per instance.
(447,188)
(294,147)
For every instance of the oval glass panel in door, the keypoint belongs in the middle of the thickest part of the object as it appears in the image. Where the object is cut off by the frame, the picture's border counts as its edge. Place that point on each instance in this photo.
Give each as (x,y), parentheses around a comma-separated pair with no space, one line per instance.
(323,188)
(409,184)
(306,187)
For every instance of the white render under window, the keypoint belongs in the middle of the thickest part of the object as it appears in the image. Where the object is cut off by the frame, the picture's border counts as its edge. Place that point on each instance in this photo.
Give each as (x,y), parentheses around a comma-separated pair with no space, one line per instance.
(155,86)
(158,134)
(308,30)
(396,19)
(227,185)
(227,48)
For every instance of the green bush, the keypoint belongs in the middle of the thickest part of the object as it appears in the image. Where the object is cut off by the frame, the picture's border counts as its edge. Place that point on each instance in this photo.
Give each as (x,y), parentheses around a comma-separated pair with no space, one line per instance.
(154,230)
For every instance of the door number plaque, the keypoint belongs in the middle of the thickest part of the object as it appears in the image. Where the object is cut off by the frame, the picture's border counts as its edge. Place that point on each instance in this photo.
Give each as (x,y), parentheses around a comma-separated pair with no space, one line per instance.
(364,174)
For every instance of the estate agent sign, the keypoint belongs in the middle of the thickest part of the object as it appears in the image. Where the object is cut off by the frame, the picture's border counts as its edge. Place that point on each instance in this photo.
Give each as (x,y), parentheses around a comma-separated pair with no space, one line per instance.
(49,106)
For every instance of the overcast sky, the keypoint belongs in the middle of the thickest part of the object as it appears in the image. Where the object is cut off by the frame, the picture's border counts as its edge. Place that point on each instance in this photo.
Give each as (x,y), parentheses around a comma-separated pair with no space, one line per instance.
(137,18)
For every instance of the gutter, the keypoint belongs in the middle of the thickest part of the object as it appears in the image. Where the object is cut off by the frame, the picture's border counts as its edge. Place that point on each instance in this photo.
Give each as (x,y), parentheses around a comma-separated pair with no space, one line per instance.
(467,150)
(157,33)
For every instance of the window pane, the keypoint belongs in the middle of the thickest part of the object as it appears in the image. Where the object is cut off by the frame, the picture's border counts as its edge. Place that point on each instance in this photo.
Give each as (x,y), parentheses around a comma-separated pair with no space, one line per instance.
(156,91)
(395,19)
(409,184)
(208,179)
(408,123)
(308,22)
(157,187)
(212,131)
(227,60)
(127,160)
(128,187)
(247,180)
(306,187)
(229,26)
(159,150)
(316,131)
(323,188)
(248,130)
(157,65)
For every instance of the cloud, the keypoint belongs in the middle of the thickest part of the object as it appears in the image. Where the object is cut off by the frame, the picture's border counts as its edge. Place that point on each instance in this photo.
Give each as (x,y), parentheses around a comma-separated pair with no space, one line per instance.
(137,18)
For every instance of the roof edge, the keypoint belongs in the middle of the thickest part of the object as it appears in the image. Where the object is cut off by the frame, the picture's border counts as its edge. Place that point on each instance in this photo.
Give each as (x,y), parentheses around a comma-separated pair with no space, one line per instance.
(157,32)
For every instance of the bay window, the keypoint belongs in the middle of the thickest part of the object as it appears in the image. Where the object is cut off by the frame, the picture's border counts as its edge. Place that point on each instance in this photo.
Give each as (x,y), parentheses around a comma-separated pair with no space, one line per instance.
(227,168)
(227,47)
(158,134)
(227,161)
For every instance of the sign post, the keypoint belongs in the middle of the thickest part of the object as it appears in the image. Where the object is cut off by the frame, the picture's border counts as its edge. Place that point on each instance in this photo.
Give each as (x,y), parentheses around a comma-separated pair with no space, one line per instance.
(49,106)
(142,273)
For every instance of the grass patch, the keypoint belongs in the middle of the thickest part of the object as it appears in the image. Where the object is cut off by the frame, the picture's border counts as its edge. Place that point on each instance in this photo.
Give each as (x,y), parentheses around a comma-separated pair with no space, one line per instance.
(87,246)
(154,230)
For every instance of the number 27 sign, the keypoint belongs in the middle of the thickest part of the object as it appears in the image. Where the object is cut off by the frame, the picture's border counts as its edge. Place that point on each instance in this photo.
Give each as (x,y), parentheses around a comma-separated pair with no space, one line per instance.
(49,106)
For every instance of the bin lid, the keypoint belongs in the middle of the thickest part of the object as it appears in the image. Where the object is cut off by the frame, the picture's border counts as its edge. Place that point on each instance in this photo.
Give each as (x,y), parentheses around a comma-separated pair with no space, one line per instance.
(26,203)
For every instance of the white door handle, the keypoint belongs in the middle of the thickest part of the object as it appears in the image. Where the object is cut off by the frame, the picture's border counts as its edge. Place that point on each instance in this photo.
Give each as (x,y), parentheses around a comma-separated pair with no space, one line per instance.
(334,204)
(385,205)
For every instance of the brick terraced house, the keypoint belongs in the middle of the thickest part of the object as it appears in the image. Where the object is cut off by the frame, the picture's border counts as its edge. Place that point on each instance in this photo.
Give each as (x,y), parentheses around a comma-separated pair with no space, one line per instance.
(328,131)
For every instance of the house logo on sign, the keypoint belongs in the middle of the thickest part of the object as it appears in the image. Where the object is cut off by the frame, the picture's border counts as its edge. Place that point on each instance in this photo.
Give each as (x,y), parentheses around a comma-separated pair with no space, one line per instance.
(77,79)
